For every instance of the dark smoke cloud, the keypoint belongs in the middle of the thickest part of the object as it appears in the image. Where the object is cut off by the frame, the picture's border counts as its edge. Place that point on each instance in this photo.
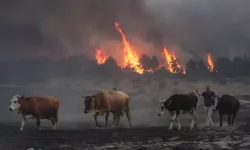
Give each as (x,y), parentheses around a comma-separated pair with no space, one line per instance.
(63,28)
(216,26)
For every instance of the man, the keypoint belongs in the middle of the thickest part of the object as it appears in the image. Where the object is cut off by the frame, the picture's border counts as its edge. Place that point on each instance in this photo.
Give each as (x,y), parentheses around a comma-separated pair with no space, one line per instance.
(209,103)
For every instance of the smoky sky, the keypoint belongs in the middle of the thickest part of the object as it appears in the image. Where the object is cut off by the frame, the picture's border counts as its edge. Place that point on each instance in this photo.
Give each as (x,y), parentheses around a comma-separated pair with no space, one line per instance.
(61,28)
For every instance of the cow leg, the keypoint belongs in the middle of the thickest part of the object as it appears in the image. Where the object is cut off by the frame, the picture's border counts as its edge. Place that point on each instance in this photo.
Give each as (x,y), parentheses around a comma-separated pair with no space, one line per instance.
(229,119)
(23,122)
(114,120)
(95,117)
(117,120)
(127,111)
(177,119)
(115,117)
(193,114)
(233,119)
(53,121)
(107,118)
(38,123)
(173,115)
(221,117)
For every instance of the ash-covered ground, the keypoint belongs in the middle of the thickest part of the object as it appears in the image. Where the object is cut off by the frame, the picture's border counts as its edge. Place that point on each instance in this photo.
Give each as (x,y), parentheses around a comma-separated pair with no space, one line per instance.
(84,138)
(77,131)
(136,138)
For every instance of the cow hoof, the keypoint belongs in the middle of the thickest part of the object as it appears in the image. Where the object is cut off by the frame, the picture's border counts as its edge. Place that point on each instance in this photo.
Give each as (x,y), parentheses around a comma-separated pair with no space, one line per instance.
(21,129)
(39,128)
(170,129)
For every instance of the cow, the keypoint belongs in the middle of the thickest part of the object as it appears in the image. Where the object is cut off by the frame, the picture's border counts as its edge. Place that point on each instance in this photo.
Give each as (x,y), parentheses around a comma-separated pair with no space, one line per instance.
(107,101)
(35,107)
(228,105)
(91,106)
(177,104)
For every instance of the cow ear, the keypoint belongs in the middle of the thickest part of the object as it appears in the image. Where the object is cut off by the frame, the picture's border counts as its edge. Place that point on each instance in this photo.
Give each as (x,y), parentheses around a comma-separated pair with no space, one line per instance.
(22,97)
(93,97)
(84,97)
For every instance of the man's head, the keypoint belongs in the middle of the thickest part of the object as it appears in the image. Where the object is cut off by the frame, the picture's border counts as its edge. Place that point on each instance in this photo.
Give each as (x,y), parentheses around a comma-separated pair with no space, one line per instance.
(15,102)
(89,103)
(208,88)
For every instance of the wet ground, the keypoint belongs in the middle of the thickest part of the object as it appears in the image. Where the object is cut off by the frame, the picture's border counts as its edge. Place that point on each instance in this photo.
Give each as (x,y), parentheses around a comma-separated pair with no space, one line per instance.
(236,137)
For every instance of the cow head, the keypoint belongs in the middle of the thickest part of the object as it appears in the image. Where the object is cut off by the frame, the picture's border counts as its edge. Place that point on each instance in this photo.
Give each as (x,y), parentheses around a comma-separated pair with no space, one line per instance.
(217,103)
(193,93)
(162,107)
(89,103)
(15,102)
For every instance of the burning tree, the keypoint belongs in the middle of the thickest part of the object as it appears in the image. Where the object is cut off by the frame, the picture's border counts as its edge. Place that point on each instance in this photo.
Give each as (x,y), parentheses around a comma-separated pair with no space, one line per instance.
(172,64)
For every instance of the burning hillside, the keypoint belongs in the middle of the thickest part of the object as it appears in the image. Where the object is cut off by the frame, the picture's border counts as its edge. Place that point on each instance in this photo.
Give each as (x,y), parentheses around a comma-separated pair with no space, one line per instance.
(131,58)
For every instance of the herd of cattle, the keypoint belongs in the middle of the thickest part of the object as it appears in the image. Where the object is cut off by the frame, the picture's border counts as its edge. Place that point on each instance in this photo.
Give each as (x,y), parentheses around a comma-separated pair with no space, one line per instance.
(118,102)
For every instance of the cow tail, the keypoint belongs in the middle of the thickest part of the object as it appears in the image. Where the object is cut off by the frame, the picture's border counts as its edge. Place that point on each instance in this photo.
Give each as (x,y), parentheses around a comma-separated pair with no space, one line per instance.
(127,108)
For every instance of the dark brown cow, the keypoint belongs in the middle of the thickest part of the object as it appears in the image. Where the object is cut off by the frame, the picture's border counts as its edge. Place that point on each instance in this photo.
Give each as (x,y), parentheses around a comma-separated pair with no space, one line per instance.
(36,108)
(228,105)
(177,103)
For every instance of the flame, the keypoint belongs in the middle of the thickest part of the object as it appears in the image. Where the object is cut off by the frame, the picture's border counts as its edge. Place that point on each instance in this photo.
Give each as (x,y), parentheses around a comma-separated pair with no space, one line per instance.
(172,64)
(184,70)
(210,63)
(100,56)
(152,70)
(131,58)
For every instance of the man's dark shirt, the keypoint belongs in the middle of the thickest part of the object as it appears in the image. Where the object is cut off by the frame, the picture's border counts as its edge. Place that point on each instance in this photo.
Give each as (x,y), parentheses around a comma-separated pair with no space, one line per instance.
(208,98)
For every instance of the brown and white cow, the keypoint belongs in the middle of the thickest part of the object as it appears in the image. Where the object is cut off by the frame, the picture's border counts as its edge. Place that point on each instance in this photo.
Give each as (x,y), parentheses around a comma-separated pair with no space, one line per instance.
(90,106)
(36,108)
(177,104)
(228,105)
(107,101)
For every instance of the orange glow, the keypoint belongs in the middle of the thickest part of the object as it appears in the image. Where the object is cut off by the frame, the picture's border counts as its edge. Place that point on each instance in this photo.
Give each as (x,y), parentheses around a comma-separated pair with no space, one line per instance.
(100,56)
(172,64)
(210,63)
(152,70)
(131,58)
